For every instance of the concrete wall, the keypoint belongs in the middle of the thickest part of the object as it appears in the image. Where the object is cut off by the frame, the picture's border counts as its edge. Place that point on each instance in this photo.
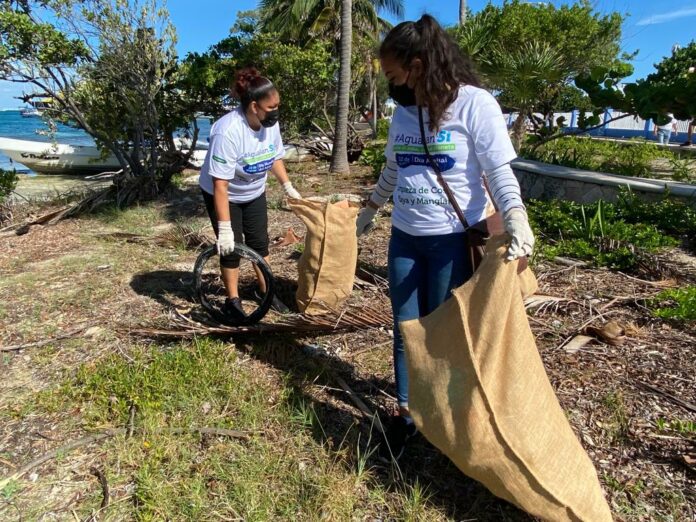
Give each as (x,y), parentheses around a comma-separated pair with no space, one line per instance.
(544,181)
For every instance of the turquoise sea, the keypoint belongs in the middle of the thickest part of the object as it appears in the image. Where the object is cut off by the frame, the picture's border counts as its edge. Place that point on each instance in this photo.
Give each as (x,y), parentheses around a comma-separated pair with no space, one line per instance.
(13,125)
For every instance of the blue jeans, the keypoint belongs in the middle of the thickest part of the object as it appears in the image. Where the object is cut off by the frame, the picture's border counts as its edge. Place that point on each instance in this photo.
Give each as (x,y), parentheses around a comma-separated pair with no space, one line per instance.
(423,270)
(663,136)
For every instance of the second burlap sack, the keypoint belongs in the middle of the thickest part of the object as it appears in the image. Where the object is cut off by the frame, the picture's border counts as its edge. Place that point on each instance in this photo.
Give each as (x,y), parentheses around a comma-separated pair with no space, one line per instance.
(326,270)
(479,392)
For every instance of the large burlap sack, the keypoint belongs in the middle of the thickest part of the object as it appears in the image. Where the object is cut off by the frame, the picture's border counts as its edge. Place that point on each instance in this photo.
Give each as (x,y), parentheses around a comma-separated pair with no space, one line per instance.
(478,391)
(327,266)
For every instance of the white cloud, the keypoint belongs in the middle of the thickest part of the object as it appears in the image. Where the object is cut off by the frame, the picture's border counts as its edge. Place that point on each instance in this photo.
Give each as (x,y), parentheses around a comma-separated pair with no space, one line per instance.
(667,17)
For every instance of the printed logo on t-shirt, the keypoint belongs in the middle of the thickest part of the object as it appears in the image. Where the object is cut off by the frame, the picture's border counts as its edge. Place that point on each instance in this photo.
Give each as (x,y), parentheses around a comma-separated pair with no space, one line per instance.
(260,163)
(409,150)
(219,159)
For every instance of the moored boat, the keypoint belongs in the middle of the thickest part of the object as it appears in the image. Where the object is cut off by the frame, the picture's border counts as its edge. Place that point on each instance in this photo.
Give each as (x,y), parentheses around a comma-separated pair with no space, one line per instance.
(57,158)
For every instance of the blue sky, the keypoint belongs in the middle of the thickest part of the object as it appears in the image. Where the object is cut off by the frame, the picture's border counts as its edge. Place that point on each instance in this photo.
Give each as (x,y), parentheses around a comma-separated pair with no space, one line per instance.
(651,27)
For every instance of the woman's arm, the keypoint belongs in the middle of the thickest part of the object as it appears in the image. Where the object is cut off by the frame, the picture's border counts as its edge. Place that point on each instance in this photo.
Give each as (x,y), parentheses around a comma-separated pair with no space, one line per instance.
(222,205)
(225,240)
(281,174)
(383,191)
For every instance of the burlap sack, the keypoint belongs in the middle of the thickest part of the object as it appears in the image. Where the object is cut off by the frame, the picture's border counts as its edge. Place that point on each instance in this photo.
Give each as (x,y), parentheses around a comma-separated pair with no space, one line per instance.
(327,266)
(478,391)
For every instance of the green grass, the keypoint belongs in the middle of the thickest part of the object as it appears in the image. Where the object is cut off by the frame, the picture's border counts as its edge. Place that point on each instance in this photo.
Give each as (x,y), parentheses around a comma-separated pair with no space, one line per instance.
(139,219)
(677,304)
(286,470)
(616,424)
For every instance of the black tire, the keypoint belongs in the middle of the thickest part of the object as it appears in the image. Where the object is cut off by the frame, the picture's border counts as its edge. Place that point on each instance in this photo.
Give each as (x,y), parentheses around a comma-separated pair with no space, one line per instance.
(250,255)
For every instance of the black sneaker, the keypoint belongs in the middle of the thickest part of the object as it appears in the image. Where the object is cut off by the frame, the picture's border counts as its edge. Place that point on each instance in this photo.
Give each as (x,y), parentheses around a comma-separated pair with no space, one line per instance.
(398,433)
(277,305)
(233,309)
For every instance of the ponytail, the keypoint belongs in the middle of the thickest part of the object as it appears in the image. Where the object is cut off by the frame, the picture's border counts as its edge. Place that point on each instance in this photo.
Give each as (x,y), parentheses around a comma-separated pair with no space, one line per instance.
(250,86)
(445,67)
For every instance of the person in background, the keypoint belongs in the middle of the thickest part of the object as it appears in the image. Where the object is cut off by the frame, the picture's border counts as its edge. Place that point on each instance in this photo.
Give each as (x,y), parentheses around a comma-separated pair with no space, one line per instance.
(465,128)
(245,145)
(664,132)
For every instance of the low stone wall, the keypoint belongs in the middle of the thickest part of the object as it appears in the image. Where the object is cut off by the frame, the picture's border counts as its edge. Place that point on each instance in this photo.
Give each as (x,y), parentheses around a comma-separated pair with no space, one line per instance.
(543,181)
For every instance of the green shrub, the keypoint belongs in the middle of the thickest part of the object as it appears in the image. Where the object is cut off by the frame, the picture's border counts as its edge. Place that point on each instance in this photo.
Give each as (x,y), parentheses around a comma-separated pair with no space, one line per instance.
(608,156)
(383,129)
(595,233)
(670,216)
(373,156)
(675,303)
(8,182)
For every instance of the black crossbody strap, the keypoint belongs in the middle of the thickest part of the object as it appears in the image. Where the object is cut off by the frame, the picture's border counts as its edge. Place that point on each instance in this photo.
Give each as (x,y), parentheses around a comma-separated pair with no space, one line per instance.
(448,191)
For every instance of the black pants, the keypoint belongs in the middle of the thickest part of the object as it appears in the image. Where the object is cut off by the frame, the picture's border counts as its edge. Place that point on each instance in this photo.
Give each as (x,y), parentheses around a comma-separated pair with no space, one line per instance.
(249,223)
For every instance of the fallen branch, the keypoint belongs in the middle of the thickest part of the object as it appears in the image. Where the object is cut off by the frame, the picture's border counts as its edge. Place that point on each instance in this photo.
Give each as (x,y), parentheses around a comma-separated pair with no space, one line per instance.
(37,344)
(104,486)
(673,398)
(667,283)
(359,403)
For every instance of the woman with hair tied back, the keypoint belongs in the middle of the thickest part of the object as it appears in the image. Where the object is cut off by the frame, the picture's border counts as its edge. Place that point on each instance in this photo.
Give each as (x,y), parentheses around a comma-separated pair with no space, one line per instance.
(244,145)
(439,98)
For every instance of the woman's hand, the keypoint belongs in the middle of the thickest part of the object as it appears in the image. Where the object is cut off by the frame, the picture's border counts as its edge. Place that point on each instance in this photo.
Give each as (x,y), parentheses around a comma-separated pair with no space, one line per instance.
(364,223)
(290,190)
(517,225)
(225,242)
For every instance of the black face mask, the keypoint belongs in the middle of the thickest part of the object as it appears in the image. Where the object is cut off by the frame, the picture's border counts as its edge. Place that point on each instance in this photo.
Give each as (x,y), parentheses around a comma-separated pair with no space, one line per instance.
(402,94)
(271,118)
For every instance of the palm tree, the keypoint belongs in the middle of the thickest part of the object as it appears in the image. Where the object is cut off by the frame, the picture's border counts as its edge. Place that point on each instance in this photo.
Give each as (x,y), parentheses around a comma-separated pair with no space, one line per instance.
(303,20)
(522,77)
(462,12)
(339,157)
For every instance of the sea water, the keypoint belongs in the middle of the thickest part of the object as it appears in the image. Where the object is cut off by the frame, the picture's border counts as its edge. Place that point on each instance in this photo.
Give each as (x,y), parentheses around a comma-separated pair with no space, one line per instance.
(14,125)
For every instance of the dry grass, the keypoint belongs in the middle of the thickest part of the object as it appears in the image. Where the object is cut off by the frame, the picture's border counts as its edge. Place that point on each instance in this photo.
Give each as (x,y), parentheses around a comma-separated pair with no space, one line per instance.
(309,453)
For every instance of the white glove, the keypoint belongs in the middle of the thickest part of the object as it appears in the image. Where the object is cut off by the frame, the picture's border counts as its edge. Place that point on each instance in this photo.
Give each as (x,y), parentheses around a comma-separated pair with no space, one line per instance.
(517,225)
(290,190)
(365,223)
(225,242)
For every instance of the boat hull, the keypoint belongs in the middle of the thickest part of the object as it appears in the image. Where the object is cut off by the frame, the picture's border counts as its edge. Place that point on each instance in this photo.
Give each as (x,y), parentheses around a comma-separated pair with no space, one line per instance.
(60,158)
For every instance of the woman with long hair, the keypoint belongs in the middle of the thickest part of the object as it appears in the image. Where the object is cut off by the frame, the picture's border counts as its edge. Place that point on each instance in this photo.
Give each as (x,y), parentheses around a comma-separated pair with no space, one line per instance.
(439,97)
(245,145)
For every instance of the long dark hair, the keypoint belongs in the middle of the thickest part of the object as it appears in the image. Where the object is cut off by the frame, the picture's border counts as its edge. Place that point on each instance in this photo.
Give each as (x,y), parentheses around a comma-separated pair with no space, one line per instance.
(250,86)
(445,67)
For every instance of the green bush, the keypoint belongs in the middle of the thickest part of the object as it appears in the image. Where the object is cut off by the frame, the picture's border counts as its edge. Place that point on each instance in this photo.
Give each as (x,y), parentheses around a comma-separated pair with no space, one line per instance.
(675,303)
(585,153)
(383,129)
(8,182)
(670,216)
(373,156)
(595,233)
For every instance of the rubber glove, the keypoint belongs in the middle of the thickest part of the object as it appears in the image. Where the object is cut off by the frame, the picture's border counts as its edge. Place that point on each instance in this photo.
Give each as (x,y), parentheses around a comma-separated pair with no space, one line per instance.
(517,225)
(365,221)
(225,242)
(290,191)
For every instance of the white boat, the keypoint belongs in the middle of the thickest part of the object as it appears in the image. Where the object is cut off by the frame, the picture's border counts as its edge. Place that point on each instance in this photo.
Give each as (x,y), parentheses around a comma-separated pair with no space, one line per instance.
(57,158)
(63,158)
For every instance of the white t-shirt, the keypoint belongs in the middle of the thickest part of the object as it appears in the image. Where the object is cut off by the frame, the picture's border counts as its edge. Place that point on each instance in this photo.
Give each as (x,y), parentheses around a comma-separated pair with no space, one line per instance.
(670,125)
(472,138)
(241,155)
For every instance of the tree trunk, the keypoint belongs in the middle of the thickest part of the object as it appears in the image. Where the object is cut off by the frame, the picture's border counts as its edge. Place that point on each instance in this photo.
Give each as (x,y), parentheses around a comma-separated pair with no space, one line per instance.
(462,12)
(519,130)
(339,158)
